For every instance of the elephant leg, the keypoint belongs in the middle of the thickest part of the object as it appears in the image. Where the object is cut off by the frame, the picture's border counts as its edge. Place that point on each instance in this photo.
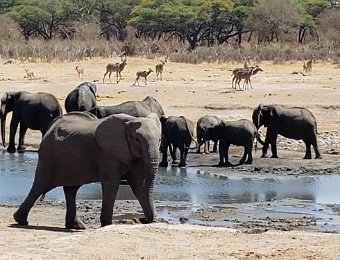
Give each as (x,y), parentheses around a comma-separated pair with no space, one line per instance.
(165,145)
(221,151)
(13,129)
(226,158)
(72,221)
(174,153)
(183,156)
(308,154)
(316,150)
(22,132)
(21,214)
(273,146)
(142,188)
(215,146)
(109,190)
(206,147)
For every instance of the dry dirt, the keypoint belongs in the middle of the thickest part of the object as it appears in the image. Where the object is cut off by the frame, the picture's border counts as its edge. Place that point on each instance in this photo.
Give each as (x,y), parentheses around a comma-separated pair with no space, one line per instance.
(192,91)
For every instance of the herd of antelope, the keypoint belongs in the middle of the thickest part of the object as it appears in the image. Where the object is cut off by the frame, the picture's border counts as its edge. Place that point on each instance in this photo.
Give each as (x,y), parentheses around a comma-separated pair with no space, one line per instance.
(237,74)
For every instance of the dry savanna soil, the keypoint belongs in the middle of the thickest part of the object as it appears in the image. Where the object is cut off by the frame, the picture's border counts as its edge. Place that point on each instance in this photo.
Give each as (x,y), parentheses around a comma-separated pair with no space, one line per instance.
(192,91)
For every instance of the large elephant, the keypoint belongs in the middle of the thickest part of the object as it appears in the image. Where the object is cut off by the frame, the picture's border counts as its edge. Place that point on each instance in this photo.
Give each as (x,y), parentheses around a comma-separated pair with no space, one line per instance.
(31,110)
(81,98)
(79,149)
(241,132)
(295,123)
(201,127)
(134,108)
(177,133)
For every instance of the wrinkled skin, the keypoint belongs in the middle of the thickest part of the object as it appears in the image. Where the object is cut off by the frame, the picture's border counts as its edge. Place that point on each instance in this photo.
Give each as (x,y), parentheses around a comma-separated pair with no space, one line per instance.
(201,127)
(241,132)
(81,98)
(30,110)
(295,123)
(177,134)
(79,149)
(133,108)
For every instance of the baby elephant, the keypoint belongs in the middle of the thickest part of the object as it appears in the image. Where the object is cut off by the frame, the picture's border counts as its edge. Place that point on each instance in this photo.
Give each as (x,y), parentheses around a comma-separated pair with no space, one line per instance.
(241,132)
(201,127)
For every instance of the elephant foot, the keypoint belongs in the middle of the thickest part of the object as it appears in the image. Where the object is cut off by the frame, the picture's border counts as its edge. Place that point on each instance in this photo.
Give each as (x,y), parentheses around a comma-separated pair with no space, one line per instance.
(145,220)
(182,164)
(318,157)
(75,224)
(220,164)
(19,219)
(249,162)
(11,149)
(263,156)
(163,164)
(105,223)
(21,149)
(275,156)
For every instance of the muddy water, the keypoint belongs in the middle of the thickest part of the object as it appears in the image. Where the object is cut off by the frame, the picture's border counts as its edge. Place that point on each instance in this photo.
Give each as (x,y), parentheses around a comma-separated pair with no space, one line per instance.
(179,185)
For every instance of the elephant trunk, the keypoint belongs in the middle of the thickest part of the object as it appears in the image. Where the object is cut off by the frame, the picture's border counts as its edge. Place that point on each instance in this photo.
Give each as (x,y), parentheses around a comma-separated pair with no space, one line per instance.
(3,124)
(148,205)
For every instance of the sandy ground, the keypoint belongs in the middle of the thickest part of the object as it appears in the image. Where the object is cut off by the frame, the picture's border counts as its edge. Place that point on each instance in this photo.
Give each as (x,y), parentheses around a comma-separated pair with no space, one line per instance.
(192,91)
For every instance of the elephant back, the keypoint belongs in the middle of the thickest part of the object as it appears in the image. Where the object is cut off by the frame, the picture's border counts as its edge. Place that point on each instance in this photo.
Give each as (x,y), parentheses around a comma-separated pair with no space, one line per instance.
(81,98)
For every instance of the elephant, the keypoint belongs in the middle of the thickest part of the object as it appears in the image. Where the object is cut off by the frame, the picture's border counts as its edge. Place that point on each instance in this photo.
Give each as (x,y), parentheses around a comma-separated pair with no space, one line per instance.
(81,98)
(202,124)
(241,132)
(295,123)
(78,149)
(177,133)
(134,108)
(31,110)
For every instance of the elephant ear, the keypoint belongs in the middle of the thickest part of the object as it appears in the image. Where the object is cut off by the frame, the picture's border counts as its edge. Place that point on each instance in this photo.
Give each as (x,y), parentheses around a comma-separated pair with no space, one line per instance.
(134,143)
(111,137)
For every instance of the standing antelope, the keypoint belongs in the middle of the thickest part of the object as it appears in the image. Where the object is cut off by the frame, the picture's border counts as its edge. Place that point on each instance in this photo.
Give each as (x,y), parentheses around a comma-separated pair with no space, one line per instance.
(159,69)
(245,74)
(30,74)
(115,67)
(144,74)
(246,62)
(307,65)
(80,72)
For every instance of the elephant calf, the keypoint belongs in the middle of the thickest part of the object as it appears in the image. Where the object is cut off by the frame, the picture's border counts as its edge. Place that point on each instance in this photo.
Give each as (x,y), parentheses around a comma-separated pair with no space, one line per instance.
(241,132)
(295,123)
(201,127)
(177,134)
(78,149)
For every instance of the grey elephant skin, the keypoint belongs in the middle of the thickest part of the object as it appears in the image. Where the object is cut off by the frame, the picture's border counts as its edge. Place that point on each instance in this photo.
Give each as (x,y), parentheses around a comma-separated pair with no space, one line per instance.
(30,110)
(241,132)
(134,108)
(81,98)
(79,149)
(177,133)
(295,123)
(202,125)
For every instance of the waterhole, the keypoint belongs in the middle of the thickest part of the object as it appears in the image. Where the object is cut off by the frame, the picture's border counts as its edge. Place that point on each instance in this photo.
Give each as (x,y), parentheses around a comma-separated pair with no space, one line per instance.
(189,185)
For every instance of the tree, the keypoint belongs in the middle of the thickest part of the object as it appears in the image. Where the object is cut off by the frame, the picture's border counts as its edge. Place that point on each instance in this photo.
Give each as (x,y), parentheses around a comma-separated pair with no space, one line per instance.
(328,25)
(113,17)
(192,21)
(272,18)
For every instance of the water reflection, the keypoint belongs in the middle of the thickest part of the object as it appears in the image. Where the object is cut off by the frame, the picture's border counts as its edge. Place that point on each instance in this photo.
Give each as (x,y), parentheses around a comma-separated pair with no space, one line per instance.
(178,184)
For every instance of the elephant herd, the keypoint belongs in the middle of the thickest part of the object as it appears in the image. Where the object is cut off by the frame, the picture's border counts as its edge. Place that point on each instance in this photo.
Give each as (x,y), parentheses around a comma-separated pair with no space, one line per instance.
(108,143)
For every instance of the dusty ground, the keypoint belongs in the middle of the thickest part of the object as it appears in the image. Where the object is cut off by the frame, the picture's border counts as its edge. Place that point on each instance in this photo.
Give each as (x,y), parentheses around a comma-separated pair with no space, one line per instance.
(192,91)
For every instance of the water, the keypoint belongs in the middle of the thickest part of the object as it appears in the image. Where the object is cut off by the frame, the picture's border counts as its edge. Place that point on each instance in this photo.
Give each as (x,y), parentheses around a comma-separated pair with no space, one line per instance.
(179,185)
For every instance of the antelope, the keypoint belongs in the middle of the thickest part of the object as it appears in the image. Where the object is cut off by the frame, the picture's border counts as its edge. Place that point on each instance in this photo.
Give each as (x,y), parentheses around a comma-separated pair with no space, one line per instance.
(246,62)
(30,74)
(245,74)
(144,74)
(159,69)
(115,67)
(80,72)
(307,65)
